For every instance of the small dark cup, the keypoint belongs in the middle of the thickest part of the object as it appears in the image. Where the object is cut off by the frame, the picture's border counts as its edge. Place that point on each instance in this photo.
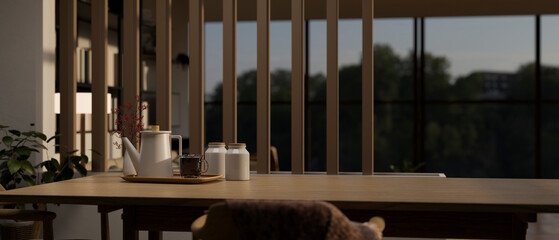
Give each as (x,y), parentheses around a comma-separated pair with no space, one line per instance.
(193,165)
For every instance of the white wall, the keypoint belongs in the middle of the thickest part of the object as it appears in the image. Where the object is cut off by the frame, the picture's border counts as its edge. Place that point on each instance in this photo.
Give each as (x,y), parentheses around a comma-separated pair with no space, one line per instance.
(27,65)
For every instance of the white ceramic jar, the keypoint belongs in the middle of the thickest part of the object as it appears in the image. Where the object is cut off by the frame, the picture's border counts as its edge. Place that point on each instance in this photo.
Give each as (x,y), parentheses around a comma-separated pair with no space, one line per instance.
(237,162)
(215,155)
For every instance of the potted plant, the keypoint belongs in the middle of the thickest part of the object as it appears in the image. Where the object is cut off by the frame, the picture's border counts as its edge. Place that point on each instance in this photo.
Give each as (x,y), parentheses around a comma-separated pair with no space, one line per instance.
(16,148)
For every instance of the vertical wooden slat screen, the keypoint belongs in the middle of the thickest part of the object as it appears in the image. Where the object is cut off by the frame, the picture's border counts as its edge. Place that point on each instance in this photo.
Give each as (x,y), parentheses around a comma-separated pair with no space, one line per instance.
(230,71)
(196,89)
(368,88)
(263,86)
(99,29)
(68,41)
(131,53)
(297,87)
(163,64)
(332,88)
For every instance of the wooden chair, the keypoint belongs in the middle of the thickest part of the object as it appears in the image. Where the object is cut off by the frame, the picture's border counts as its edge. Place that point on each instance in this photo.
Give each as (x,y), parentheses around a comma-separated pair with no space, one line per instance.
(40,216)
(218,223)
(274,162)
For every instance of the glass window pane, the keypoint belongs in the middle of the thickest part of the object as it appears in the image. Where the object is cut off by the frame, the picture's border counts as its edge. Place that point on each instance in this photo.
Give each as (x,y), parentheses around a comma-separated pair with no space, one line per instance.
(317,60)
(281,133)
(550,57)
(213,122)
(479,58)
(480,140)
(317,138)
(393,137)
(246,125)
(393,39)
(213,59)
(550,141)
(350,138)
(280,91)
(246,62)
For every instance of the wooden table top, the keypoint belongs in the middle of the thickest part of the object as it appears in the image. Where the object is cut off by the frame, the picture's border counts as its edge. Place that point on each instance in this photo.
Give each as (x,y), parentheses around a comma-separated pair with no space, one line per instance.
(349,192)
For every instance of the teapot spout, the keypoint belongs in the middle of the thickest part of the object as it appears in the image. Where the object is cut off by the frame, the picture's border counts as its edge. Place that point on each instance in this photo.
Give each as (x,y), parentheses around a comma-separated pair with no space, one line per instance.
(134,154)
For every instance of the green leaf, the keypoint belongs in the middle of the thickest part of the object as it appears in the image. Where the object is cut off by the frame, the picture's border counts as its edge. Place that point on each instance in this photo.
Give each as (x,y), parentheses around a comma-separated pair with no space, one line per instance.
(15,132)
(27,134)
(95,152)
(47,177)
(72,152)
(75,159)
(85,158)
(14,165)
(30,181)
(40,146)
(81,169)
(51,138)
(26,165)
(41,136)
(7,140)
(66,174)
(55,163)
(2,127)
(23,152)
(50,166)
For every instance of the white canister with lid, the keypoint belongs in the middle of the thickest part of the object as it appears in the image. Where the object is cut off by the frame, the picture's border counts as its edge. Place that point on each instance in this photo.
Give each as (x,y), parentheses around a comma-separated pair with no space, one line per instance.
(237,162)
(215,155)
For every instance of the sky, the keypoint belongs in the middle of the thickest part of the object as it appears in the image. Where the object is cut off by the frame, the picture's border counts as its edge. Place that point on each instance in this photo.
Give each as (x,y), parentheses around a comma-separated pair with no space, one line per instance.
(498,43)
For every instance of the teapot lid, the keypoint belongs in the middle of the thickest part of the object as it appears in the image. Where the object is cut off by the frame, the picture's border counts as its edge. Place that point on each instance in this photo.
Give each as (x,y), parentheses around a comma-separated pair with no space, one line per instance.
(154,130)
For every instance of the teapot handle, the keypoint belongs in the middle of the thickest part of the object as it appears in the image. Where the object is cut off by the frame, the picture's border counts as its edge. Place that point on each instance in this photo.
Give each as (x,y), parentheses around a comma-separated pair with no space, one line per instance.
(179,137)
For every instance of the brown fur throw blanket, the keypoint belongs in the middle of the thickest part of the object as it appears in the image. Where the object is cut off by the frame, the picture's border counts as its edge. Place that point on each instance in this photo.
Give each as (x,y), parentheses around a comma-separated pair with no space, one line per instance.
(272,219)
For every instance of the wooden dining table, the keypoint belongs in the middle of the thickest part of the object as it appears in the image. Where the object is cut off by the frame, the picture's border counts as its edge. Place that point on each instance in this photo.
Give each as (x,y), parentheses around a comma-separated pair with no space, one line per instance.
(411,206)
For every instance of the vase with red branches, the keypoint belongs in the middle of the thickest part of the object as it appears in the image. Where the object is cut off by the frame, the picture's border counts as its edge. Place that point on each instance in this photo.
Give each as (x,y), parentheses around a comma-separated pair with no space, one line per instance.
(129,124)
(129,121)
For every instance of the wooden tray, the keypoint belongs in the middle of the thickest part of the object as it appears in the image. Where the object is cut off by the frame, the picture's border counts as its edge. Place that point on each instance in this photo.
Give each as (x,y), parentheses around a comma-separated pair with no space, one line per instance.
(174,179)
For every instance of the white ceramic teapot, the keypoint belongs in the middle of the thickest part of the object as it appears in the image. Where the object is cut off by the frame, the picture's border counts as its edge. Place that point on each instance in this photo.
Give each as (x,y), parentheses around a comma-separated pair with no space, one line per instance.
(154,158)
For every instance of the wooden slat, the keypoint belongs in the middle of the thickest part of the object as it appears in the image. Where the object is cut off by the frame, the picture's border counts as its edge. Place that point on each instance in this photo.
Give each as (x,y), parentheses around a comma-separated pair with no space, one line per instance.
(263,86)
(230,71)
(99,128)
(131,53)
(350,9)
(196,94)
(68,43)
(367,89)
(163,64)
(297,87)
(332,88)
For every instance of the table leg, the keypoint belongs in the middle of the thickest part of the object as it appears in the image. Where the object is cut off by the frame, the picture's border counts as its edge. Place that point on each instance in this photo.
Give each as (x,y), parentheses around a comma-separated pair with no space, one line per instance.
(104,211)
(130,231)
(105,232)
